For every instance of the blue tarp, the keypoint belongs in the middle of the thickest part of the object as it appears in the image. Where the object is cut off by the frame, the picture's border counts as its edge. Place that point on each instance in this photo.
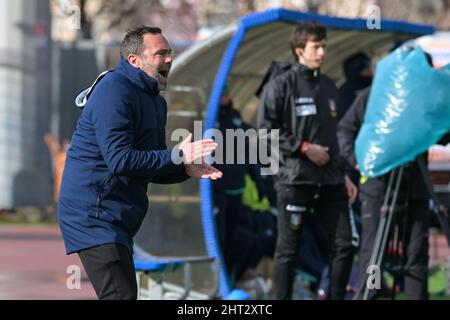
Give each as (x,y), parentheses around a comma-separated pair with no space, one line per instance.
(407,112)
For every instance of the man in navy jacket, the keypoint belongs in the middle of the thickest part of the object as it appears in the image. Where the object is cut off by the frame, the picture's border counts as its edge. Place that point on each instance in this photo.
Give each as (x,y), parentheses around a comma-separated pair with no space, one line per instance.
(117,149)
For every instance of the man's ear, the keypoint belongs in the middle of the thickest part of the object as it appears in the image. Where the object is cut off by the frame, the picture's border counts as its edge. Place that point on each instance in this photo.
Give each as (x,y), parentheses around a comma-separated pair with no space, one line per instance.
(298,52)
(134,60)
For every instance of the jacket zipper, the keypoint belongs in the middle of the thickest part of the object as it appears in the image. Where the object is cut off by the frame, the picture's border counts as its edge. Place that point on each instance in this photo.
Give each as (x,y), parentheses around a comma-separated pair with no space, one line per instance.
(102,187)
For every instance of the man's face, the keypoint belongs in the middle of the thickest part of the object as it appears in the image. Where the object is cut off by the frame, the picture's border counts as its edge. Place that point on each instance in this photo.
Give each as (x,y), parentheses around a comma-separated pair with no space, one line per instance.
(313,55)
(155,60)
(225,100)
(366,72)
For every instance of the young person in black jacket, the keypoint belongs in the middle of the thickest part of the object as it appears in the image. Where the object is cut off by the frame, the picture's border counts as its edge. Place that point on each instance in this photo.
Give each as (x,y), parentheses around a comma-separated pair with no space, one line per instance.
(302,104)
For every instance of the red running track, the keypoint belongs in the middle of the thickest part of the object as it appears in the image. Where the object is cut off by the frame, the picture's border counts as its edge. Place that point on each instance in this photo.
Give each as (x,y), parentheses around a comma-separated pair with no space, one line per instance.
(33,265)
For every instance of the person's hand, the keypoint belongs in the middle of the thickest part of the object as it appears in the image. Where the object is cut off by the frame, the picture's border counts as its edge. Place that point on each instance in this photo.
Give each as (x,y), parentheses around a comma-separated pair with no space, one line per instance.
(352,190)
(203,171)
(195,151)
(317,154)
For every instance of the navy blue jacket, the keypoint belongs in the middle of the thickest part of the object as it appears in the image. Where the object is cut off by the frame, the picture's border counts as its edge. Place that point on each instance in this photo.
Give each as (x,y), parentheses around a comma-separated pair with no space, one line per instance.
(118,148)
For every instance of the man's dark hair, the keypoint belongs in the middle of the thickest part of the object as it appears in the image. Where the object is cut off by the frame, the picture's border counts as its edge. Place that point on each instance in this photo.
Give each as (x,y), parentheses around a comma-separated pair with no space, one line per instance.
(134,38)
(354,64)
(310,31)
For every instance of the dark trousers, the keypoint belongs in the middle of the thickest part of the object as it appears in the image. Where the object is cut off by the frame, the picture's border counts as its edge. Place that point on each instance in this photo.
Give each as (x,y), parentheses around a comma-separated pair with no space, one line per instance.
(414,223)
(228,210)
(327,206)
(110,269)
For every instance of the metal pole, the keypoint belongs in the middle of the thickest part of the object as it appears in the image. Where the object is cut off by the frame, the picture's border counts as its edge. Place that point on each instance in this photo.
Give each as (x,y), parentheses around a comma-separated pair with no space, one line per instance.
(42,27)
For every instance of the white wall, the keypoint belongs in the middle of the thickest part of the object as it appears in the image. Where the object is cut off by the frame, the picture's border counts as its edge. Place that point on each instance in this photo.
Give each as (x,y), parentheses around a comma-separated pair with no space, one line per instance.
(18,106)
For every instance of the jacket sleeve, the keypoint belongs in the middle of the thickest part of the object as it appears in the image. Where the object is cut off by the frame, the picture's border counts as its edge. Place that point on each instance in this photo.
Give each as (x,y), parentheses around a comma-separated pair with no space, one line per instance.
(112,117)
(270,116)
(178,175)
(350,125)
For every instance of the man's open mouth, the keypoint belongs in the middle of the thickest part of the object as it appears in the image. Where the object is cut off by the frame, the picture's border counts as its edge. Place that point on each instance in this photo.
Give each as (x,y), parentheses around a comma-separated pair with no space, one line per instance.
(164,73)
